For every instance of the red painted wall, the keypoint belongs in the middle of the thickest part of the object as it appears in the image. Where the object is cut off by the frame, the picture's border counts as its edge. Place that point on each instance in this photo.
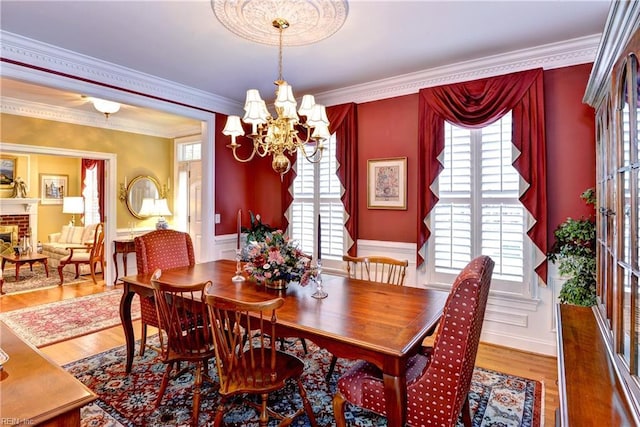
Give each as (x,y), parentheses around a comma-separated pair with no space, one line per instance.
(571,152)
(389,128)
(248,186)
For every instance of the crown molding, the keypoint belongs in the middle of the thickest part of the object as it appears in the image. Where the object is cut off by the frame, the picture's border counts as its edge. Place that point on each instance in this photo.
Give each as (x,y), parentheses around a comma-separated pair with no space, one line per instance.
(37,54)
(52,59)
(555,55)
(622,23)
(36,110)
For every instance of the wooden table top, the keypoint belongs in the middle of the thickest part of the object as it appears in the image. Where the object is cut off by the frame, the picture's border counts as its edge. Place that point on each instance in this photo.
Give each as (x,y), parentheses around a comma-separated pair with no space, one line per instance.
(34,389)
(24,257)
(387,319)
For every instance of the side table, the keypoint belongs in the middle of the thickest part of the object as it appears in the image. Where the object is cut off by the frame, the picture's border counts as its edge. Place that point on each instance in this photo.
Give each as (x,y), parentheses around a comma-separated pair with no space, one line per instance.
(124,247)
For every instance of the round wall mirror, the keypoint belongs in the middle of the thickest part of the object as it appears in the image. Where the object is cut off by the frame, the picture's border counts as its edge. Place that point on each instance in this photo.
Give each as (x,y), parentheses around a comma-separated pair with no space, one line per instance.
(141,187)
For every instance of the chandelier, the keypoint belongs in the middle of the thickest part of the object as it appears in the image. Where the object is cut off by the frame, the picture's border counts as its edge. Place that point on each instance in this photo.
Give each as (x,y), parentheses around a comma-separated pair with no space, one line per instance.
(285,133)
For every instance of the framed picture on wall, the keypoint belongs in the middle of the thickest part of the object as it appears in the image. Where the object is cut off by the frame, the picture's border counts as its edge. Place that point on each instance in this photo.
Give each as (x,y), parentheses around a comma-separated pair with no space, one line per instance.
(8,170)
(53,188)
(387,183)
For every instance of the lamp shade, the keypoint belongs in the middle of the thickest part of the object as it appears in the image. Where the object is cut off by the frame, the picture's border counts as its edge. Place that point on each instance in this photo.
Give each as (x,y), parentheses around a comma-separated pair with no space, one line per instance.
(72,205)
(147,208)
(162,208)
(154,207)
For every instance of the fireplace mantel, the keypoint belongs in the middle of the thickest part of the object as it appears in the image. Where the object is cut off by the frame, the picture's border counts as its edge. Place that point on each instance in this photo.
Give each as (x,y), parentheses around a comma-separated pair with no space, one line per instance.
(17,206)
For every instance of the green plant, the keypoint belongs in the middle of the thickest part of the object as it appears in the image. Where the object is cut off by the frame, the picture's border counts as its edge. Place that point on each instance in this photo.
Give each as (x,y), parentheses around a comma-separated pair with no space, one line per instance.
(257,231)
(575,251)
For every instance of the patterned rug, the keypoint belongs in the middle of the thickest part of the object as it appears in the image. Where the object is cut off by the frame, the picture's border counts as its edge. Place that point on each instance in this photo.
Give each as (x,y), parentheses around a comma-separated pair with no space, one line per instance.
(128,400)
(36,279)
(47,324)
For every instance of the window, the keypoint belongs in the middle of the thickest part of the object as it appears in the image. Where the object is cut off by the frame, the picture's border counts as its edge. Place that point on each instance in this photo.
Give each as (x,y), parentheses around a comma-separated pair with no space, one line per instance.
(478,211)
(317,191)
(90,194)
(189,151)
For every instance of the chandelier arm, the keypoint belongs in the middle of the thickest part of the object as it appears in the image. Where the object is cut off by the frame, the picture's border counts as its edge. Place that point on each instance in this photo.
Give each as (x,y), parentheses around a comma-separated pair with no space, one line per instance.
(235,146)
(310,157)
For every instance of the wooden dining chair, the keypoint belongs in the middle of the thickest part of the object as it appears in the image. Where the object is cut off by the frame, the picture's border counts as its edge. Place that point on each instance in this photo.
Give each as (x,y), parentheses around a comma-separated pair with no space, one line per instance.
(253,367)
(374,269)
(160,249)
(91,254)
(185,319)
(438,380)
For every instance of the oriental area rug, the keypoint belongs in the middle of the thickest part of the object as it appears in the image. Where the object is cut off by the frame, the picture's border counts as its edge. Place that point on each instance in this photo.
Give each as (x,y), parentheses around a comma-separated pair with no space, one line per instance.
(36,279)
(46,324)
(496,399)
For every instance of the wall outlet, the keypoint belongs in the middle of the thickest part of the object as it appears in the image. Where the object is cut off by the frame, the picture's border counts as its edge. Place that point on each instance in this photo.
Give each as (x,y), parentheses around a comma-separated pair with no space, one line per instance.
(217,218)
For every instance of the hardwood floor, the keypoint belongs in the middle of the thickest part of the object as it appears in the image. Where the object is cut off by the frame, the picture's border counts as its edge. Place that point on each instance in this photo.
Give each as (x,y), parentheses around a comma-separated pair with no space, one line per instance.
(503,359)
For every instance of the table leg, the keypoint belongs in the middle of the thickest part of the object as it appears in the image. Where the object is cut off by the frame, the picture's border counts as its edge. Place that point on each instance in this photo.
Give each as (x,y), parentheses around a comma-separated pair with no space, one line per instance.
(124,262)
(127,324)
(115,264)
(396,398)
(18,270)
(46,266)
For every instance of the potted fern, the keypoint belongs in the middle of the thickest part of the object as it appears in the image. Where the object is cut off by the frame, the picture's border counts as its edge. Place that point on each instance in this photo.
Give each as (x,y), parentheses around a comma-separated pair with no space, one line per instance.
(575,250)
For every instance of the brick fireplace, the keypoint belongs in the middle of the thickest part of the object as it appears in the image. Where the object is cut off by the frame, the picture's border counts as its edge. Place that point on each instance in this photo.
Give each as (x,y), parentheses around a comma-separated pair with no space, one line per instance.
(22,213)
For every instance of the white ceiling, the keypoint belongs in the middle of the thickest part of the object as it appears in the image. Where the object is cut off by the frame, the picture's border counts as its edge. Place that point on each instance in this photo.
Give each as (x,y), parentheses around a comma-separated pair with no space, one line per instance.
(183,42)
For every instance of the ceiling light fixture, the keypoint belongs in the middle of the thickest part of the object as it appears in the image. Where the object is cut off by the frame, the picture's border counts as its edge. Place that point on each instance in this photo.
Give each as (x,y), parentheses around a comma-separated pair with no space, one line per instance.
(105,107)
(286,133)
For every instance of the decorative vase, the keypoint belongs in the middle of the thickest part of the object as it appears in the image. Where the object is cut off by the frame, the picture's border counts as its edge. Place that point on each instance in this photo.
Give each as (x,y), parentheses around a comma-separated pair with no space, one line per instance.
(276,284)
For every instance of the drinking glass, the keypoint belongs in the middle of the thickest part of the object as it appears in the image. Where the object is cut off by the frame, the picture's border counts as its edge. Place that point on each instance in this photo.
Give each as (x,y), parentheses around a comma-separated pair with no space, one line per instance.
(238,277)
(320,292)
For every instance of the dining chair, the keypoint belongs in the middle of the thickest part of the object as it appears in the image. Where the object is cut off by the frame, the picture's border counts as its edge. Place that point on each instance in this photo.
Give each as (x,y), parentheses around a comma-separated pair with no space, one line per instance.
(438,380)
(374,268)
(253,367)
(185,319)
(91,254)
(160,249)
(377,268)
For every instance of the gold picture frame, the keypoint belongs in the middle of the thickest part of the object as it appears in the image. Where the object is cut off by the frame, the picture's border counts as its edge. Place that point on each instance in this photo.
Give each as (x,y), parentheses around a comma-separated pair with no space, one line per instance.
(8,170)
(387,183)
(53,188)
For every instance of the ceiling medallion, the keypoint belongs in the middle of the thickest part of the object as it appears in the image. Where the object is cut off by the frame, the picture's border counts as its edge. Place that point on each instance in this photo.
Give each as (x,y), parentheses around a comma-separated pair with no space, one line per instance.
(309,21)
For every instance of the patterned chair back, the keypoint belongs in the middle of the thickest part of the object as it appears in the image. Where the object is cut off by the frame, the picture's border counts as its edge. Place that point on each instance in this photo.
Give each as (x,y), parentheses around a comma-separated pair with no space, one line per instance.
(454,349)
(163,249)
(160,249)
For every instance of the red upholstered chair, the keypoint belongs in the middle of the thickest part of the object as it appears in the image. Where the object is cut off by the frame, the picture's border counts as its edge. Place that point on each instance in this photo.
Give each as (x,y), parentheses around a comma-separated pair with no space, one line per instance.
(439,380)
(160,249)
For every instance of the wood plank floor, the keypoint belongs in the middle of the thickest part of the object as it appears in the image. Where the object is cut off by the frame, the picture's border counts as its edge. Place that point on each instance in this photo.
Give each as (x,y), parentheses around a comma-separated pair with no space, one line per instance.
(503,359)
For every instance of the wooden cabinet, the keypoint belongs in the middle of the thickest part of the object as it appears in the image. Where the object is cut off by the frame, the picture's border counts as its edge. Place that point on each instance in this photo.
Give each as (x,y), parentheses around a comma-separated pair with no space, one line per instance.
(35,390)
(613,90)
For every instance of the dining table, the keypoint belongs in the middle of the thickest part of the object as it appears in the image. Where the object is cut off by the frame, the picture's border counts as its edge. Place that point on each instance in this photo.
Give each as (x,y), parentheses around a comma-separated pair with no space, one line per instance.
(380,323)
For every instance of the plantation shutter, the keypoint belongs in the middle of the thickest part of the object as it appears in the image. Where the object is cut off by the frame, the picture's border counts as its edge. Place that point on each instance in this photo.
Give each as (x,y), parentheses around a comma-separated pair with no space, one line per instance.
(316,191)
(478,211)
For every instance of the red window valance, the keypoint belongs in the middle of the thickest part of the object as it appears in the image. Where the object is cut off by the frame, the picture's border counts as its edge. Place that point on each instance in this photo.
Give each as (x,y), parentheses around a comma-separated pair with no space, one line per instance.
(476,104)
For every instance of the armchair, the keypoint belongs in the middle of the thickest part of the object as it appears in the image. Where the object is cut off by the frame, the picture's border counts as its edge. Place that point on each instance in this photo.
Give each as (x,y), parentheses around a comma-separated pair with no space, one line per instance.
(438,381)
(89,253)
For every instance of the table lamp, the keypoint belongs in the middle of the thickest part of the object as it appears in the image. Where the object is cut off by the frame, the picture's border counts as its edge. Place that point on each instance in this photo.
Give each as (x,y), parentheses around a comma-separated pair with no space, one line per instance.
(156,207)
(73,205)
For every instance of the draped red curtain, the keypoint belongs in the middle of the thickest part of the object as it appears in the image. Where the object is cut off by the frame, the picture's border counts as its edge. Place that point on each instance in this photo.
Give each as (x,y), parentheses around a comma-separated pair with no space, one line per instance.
(343,122)
(90,164)
(476,104)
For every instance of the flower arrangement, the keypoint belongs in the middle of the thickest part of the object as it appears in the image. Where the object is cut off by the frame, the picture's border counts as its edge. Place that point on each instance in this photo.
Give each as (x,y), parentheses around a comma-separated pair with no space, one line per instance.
(277,258)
